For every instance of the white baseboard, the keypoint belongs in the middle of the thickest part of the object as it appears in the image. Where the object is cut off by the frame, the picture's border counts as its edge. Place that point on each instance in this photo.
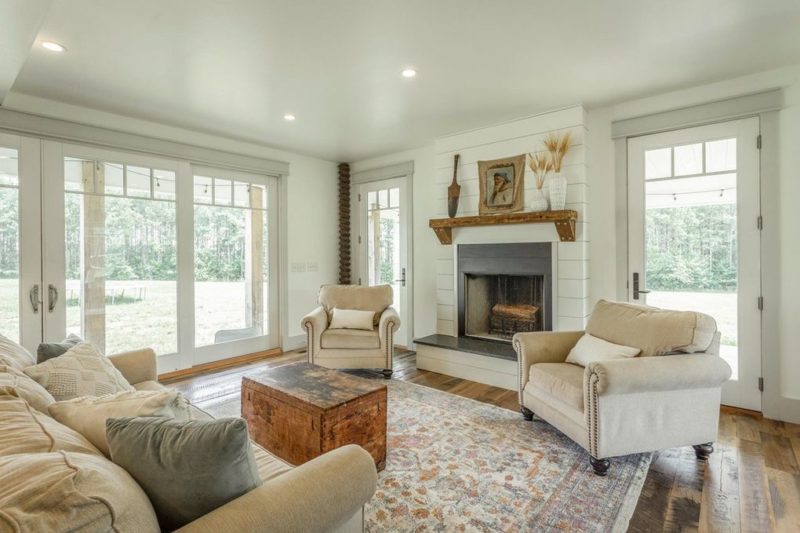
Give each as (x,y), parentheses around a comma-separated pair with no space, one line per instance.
(483,369)
(293,343)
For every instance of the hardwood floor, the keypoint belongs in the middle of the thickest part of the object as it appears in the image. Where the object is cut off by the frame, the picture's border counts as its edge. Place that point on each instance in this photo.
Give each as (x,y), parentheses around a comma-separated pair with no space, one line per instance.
(750,483)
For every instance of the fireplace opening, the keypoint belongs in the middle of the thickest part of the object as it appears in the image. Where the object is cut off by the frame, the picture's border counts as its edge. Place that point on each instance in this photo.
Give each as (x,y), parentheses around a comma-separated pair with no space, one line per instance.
(504,289)
(498,306)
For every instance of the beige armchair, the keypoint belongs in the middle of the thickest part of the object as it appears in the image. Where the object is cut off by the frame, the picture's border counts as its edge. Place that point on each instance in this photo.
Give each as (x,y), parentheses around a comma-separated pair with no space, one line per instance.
(667,396)
(353,348)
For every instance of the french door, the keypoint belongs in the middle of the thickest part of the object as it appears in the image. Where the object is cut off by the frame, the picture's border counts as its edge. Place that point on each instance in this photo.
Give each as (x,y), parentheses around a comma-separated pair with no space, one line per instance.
(383,244)
(129,250)
(694,239)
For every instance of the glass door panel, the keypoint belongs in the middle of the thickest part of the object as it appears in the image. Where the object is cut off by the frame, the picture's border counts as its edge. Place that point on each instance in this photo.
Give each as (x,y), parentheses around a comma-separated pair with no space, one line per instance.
(10,288)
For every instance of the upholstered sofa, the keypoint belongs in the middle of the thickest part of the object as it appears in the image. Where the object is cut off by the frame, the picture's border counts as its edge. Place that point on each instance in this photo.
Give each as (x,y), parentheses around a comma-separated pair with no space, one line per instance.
(37,453)
(353,348)
(667,396)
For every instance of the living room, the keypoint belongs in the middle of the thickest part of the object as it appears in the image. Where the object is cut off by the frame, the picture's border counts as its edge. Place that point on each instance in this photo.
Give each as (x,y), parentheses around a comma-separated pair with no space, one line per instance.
(382,266)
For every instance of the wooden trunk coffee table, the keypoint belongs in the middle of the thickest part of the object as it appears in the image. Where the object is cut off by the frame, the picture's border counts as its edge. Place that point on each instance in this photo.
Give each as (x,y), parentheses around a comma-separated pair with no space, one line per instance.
(300,411)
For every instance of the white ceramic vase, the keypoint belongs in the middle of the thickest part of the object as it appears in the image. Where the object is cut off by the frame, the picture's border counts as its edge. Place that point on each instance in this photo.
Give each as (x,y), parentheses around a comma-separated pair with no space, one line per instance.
(538,201)
(557,191)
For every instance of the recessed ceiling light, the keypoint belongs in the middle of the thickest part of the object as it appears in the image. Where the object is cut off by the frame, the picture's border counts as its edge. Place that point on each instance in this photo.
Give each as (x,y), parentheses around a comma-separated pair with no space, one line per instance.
(409,72)
(53,46)
(289,117)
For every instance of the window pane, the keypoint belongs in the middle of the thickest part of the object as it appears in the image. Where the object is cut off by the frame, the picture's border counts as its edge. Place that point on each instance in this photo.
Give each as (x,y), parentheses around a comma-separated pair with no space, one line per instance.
(689,159)
(721,155)
(121,259)
(241,194)
(222,192)
(164,184)
(658,163)
(383,199)
(138,182)
(112,177)
(78,174)
(202,189)
(230,274)
(9,245)
(394,197)
(372,200)
(258,196)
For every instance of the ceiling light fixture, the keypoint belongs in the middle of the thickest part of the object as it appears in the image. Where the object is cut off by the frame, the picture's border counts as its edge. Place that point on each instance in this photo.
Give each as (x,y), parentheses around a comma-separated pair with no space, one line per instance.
(409,72)
(288,117)
(53,46)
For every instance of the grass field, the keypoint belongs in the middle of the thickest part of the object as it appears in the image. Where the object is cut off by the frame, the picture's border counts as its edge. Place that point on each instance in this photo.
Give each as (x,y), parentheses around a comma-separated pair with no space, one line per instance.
(149,321)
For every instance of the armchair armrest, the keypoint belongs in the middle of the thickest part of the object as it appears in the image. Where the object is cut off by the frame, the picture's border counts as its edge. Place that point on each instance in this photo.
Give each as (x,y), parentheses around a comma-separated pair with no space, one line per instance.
(317,496)
(659,373)
(389,323)
(136,366)
(541,347)
(315,323)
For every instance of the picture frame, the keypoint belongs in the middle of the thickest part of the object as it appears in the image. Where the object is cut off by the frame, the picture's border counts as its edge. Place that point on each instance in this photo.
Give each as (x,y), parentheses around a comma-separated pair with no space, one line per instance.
(501,184)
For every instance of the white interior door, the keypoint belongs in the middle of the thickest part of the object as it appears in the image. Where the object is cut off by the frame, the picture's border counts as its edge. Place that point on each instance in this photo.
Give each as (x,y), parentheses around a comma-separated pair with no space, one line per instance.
(22,296)
(383,244)
(694,239)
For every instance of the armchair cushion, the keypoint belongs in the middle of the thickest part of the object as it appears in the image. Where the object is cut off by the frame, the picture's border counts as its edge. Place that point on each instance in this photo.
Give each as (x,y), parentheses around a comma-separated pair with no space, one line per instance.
(562,381)
(590,348)
(350,339)
(652,330)
(374,299)
(352,319)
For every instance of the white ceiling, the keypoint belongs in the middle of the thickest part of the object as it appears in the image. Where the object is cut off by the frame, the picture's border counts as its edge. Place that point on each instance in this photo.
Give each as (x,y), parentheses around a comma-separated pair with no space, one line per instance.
(234,67)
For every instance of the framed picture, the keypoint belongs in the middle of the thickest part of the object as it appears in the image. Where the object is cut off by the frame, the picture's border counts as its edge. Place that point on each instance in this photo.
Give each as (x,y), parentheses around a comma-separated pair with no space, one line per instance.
(501,185)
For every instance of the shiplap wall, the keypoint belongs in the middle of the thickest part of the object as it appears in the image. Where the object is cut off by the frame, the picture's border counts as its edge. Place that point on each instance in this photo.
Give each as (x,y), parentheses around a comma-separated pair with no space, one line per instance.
(571,261)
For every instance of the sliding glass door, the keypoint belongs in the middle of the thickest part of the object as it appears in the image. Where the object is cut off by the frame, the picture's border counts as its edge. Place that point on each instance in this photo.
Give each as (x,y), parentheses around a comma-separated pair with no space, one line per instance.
(136,256)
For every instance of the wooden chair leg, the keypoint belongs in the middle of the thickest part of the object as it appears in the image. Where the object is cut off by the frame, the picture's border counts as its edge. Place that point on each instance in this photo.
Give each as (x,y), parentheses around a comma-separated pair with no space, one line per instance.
(526,413)
(600,466)
(702,451)
(387,373)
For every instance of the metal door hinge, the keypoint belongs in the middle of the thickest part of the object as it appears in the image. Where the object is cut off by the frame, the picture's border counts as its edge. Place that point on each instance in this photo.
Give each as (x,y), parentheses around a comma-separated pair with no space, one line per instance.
(760,222)
(359,197)
(359,239)
(761,384)
(760,303)
(359,281)
(758,141)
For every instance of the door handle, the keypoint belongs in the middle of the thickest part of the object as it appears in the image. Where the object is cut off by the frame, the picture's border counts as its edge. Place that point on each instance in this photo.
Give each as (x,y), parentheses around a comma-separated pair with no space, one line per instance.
(52,297)
(402,280)
(636,290)
(33,294)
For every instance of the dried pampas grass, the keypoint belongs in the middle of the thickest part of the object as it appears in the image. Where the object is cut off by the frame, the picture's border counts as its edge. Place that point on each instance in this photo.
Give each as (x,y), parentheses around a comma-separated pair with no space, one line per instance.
(540,164)
(558,145)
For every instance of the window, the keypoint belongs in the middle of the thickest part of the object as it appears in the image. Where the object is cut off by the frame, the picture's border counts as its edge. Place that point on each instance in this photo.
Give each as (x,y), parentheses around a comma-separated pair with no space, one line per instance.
(231,257)
(121,255)
(9,244)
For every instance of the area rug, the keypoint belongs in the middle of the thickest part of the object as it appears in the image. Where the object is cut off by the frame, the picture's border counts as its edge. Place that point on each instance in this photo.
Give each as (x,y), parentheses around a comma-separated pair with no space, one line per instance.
(455,464)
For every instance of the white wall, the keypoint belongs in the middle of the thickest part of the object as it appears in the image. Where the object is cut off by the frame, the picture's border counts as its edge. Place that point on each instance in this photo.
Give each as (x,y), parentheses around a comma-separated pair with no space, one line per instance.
(312,197)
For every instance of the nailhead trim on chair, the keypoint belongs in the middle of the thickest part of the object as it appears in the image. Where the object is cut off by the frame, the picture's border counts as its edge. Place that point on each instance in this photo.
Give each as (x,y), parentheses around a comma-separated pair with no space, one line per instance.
(389,343)
(591,411)
(310,341)
(518,348)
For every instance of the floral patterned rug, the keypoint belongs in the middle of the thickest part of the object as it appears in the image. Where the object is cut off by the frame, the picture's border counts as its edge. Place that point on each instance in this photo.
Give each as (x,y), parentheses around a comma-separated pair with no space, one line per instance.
(455,464)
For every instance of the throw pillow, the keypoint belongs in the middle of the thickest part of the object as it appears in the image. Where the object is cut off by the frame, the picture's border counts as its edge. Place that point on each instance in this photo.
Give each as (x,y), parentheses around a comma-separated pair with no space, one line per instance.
(14,355)
(48,350)
(351,319)
(26,388)
(82,371)
(88,415)
(187,468)
(590,349)
(63,491)
(24,430)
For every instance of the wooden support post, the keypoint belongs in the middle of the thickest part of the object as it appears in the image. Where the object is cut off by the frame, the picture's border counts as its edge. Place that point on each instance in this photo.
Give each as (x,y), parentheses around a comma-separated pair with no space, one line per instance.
(93,252)
(345,270)
(254,260)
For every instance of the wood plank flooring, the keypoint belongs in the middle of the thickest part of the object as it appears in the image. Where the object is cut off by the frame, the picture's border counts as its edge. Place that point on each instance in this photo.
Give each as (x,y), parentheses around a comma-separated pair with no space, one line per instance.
(750,483)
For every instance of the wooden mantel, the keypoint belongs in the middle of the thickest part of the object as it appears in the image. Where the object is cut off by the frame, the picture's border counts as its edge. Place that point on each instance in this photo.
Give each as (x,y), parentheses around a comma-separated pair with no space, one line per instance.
(564,221)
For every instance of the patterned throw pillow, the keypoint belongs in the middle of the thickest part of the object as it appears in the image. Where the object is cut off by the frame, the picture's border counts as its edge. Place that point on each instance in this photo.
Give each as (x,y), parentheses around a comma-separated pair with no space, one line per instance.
(82,371)
(14,355)
(25,388)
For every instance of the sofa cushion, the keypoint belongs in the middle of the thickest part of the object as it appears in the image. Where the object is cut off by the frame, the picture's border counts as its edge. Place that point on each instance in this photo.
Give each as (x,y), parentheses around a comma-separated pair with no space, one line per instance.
(149,385)
(88,415)
(350,338)
(26,388)
(563,381)
(652,330)
(82,371)
(14,355)
(269,466)
(64,491)
(187,468)
(49,350)
(24,430)
(352,319)
(374,299)
(589,349)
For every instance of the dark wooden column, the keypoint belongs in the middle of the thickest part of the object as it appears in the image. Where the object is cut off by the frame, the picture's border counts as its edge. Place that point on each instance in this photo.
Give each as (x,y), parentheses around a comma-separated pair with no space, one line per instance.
(344,224)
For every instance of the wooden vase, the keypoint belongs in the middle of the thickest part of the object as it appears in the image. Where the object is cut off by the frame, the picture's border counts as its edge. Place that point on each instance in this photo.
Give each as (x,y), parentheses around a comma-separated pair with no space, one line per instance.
(453,191)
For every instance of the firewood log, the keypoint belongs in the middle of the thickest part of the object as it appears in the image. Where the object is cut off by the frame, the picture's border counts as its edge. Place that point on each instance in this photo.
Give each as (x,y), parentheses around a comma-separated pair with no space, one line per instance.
(525,312)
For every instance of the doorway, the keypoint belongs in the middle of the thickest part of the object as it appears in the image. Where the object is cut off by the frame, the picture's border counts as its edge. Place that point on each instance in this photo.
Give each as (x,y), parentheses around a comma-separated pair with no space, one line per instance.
(694,237)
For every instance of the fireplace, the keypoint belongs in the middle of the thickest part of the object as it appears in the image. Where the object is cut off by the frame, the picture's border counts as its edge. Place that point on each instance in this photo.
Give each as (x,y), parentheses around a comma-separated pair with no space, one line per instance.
(504,289)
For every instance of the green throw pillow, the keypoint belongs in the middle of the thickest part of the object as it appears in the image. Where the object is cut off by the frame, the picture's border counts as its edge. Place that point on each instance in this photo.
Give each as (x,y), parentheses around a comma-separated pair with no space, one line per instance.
(49,350)
(187,468)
